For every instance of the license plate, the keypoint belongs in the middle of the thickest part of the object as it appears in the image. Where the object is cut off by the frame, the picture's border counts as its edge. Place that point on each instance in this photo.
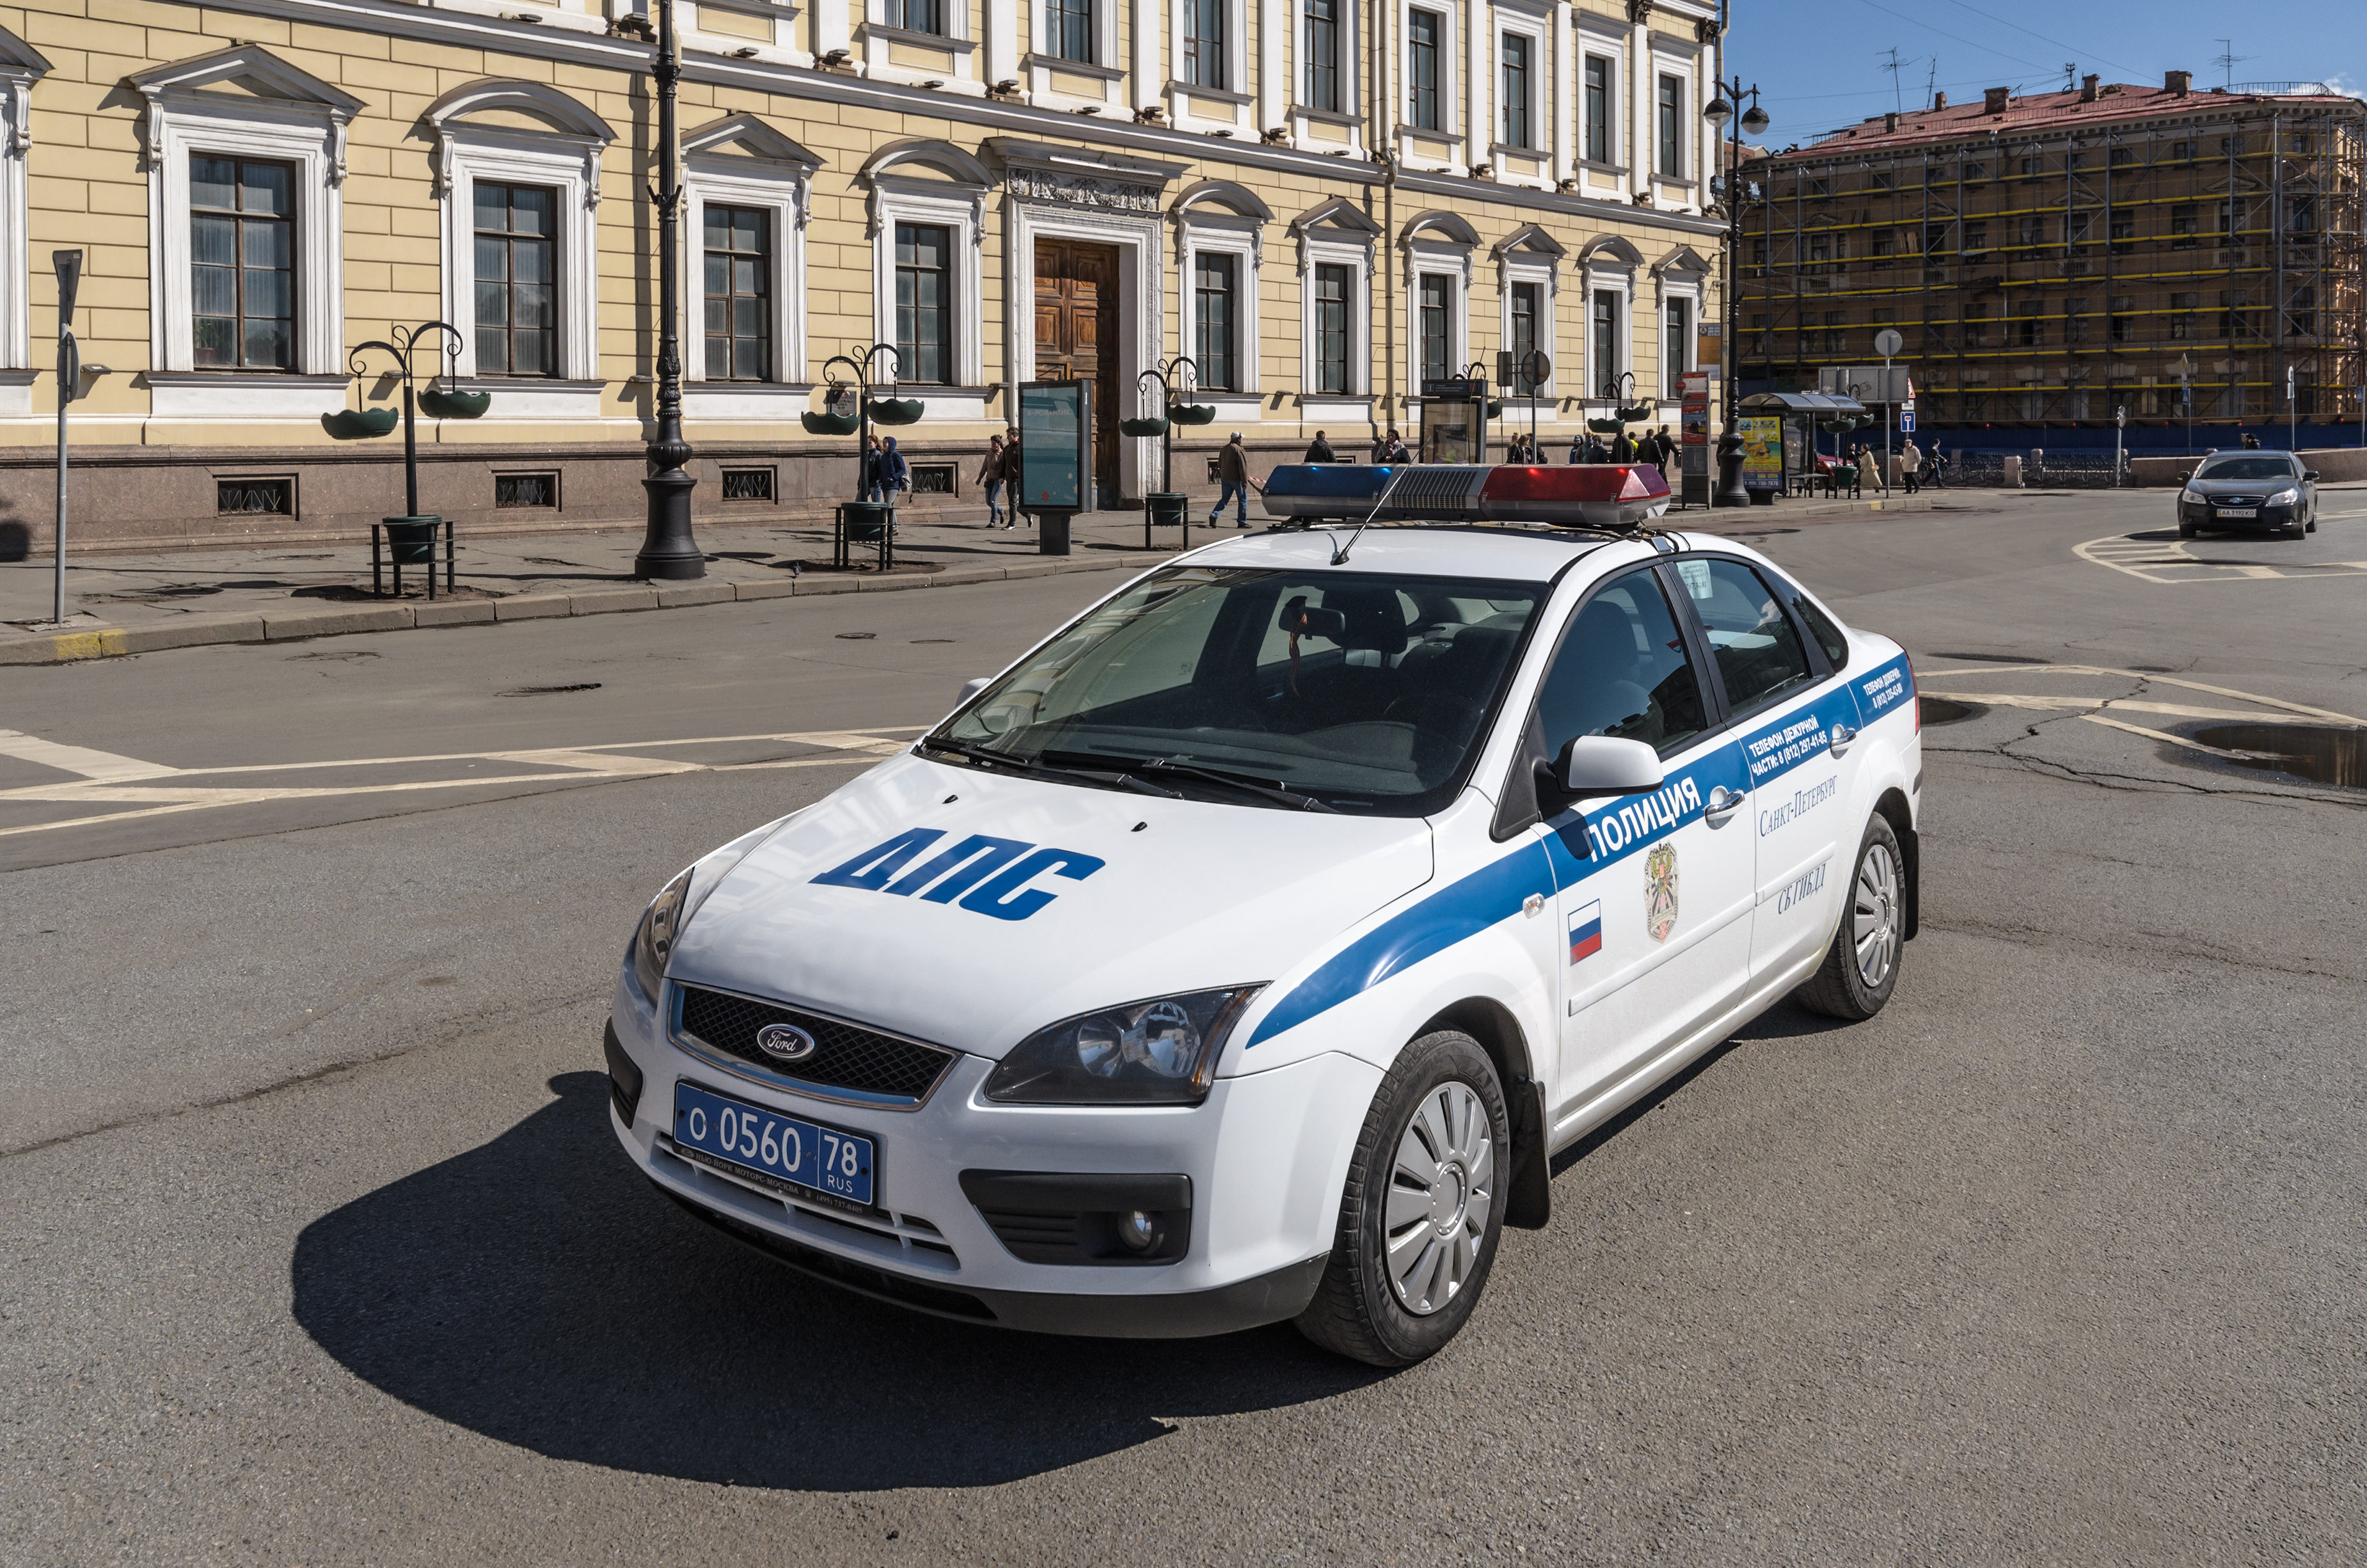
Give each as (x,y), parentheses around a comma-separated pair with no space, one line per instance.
(2239,511)
(782,1148)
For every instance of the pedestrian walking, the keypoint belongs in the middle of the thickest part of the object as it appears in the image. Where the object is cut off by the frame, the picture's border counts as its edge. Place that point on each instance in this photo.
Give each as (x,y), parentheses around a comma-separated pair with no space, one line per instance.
(1390,449)
(1622,450)
(1939,468)
(895,474)
(1013,496)
(990,479)
(1319,450)
(1910,466)
(1233,476)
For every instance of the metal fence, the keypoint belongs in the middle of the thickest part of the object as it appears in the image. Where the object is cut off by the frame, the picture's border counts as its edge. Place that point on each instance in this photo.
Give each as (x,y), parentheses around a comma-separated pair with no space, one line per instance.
(2041,470)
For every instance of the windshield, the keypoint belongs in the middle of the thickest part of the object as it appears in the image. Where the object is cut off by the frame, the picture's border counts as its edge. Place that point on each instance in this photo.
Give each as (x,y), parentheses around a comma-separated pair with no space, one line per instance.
(1353,692)
(2250,468)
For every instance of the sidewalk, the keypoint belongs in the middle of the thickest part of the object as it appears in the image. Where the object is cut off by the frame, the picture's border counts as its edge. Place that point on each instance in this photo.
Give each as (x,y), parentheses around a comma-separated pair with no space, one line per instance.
(138,604)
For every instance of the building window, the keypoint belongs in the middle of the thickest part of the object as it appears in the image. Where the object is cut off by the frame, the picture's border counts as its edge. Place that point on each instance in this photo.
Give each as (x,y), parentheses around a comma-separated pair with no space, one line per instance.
(1672,128)
(2033,231)
(1835,331)
(1437,311)
(739,296)
(2181,324)
(2229,234)
(1677,359)
(1323,55)
(1524,307)
(2075,320)
(925,303)
(2120,228)
(1072,30)
(518,264)
(1515,73)
(1606,343)
(2181,226)
(249,497)
(2122,323)
(1977,242)
(917,16)
(1597,109)
(748,485)
(242,256)
(513,491)
(2031,167)
(2301,217)
(1422,28)
(2075,232)
(1976,326)
(1935,239)
(2120,156)
(2031,333)
(1334,288)
(2182,152)
(1205,53)
(2301,317)
(1885,242)
(1213,319)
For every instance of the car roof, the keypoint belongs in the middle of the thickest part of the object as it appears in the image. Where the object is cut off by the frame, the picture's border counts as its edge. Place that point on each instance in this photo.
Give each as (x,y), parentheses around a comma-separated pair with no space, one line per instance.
(1499,551)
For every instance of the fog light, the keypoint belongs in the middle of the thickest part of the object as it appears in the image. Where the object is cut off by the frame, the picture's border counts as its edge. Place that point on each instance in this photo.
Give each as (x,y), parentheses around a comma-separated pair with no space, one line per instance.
(1138,1230)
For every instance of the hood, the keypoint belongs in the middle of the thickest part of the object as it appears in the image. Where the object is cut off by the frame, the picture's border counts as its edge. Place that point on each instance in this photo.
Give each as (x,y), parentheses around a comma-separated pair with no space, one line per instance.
(971,910)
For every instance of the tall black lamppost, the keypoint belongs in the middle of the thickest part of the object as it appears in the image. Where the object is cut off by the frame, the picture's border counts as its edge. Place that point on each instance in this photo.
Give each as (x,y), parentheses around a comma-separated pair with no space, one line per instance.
(668,549)
(1730,490)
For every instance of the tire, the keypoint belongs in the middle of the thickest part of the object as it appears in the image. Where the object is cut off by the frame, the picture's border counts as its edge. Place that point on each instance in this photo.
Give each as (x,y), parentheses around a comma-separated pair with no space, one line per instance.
(1861,969)
(1441,1094)
(2186,531)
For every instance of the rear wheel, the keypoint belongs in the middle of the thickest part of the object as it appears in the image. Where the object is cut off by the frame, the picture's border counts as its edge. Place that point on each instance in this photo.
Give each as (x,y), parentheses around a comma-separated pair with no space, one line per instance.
(1861,969)
(1422,1211)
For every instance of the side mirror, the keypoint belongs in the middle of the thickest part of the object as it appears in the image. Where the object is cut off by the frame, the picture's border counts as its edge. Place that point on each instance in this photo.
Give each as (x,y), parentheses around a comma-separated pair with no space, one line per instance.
(1603,765)
(971,689)
(2310,476)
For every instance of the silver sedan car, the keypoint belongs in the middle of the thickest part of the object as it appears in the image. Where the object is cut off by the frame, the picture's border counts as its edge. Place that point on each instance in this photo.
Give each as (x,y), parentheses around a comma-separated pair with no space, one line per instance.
(2250,491)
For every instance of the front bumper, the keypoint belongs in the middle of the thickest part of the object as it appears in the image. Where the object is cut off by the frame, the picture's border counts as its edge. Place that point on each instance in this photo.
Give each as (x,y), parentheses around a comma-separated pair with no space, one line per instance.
(2266,518)
(1265,1157)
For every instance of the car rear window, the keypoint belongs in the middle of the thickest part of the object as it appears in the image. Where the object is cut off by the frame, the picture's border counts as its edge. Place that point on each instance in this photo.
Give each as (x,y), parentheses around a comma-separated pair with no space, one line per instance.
(2250,468)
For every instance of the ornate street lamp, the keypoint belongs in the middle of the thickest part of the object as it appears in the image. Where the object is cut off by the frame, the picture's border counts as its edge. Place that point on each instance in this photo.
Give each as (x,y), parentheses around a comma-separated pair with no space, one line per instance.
(669,551)
(1730,490)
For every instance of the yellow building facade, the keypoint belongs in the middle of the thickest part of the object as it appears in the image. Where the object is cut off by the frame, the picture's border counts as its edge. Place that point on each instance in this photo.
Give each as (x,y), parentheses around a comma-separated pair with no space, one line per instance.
(1322,203)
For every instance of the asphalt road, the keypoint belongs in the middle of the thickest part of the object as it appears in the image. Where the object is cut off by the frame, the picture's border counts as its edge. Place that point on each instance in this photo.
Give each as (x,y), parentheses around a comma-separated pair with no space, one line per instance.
(318,1248)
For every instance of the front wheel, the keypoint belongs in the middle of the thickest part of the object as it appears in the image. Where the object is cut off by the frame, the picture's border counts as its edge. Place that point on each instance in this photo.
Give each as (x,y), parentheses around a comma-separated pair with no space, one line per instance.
(1861,969)
(2186,531)
(1422,1211)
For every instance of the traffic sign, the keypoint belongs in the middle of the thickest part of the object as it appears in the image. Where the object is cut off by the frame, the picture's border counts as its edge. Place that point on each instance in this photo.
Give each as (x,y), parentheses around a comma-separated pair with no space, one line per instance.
(1906,422)
(1887,343)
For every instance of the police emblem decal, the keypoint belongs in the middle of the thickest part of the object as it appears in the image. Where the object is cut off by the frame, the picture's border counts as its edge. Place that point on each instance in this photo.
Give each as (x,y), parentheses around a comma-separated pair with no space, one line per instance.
(1660,891)
(786,1042)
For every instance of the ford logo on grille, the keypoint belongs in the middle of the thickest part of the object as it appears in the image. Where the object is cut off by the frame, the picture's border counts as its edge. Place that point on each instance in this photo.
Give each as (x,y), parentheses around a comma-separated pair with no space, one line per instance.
(786,1042)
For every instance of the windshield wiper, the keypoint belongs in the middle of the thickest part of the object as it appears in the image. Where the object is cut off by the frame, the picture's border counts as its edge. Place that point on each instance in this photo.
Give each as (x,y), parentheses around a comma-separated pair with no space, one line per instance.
(1271,790)
(1120,780)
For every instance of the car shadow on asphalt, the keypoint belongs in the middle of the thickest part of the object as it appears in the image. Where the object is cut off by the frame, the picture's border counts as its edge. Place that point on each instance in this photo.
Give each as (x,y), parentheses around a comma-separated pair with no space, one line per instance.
(537,1290)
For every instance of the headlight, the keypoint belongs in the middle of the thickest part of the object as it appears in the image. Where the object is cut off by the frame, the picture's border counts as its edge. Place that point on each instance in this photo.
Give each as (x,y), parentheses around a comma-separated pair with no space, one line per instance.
(2286,497)
(654,941)
(1163,1051)
(2190,498)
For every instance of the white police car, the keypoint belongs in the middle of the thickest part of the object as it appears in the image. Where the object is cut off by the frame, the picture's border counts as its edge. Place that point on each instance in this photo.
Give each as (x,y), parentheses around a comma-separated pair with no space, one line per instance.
(1245,950)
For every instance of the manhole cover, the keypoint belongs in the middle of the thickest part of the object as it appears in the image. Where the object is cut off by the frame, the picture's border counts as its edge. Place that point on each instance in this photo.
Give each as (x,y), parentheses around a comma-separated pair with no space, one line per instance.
(1946,710)
(2324,753)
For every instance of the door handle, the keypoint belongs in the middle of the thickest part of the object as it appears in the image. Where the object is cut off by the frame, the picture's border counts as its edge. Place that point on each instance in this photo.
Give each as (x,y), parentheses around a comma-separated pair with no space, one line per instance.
(1842,737)
(1723,803)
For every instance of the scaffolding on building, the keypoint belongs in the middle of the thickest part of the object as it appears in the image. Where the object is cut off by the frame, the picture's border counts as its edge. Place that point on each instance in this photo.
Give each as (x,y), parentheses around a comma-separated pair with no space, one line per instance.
(2189,262)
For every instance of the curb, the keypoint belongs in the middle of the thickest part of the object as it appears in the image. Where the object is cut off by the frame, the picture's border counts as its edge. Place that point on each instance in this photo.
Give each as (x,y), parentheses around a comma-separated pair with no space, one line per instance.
(113,641)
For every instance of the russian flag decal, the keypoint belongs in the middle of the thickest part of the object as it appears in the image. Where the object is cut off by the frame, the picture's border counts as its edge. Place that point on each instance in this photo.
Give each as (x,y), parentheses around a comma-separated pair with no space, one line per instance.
(1586,932)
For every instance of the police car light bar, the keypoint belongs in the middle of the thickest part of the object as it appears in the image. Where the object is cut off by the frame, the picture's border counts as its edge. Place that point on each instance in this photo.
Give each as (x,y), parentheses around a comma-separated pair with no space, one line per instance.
(1595,496)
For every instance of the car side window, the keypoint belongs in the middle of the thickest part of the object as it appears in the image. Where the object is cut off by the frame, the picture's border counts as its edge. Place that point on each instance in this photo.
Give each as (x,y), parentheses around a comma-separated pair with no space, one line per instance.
(1820,625)
(1759,655)
(1622,671)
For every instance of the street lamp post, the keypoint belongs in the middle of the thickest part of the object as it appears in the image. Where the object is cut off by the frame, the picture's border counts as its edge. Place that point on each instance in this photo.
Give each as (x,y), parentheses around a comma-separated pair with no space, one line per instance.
(1730,490)
(668,549)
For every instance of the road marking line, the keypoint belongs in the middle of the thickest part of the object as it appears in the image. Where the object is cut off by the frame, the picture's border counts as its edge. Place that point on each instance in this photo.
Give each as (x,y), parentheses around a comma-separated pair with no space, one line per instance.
(2138,558)
(77,759)
(2156,734)
(2154,676)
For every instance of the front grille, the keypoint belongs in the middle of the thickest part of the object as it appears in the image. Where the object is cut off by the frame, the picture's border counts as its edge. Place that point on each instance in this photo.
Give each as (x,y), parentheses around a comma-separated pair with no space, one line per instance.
(851,1058)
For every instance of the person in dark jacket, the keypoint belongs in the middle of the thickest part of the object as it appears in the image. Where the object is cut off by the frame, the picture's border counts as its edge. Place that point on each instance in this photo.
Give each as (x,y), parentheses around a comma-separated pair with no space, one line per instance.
(1622,450)
(1233,474)
(1319,450)
(1391,449)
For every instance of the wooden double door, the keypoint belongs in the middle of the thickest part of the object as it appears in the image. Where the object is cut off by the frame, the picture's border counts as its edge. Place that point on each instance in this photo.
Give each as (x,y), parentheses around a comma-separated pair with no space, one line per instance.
(1077,337)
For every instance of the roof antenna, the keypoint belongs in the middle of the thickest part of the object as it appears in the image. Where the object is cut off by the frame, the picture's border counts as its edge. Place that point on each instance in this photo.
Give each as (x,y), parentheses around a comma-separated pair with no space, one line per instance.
(2227,59)
(1340,556)
(1894,66)
(2070,74)
(1930,80)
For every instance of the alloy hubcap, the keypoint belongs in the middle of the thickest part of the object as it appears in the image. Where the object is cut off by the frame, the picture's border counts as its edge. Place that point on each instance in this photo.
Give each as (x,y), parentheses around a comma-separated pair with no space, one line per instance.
(1874,914)
(1442,1189)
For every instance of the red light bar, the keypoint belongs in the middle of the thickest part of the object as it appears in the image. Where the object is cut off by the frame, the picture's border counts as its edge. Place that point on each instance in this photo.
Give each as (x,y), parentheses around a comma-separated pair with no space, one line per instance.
(1584,495)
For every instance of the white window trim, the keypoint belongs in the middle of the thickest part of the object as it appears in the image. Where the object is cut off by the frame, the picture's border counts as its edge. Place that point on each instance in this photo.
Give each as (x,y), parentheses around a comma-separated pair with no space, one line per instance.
(1236,92)
(1358,258)
(1513,269)
(878,37)
(782,195)
(1614,49)
(21,65)
(180,123)
(1111,71)
(1239,239)
(1450,72)
(1675,288)
(1619,280)
(1541,69)
(1686,67)
(1425,259)
(1351,78)
(955,207)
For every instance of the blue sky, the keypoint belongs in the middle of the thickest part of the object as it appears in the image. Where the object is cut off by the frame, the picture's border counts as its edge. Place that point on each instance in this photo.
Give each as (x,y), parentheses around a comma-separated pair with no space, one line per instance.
(1820,64)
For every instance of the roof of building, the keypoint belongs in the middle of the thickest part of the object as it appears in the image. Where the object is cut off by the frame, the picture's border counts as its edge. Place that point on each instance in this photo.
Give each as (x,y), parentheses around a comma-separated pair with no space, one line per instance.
(2040,112)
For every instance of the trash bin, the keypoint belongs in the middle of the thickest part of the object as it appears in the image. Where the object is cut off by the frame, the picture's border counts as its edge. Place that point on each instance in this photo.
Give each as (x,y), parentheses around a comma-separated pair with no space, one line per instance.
(410,540)
(864,520)
(1165,508)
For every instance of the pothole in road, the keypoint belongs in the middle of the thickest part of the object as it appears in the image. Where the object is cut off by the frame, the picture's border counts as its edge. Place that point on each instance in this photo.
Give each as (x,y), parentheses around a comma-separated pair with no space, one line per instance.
(1946,710)
(2322,754)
